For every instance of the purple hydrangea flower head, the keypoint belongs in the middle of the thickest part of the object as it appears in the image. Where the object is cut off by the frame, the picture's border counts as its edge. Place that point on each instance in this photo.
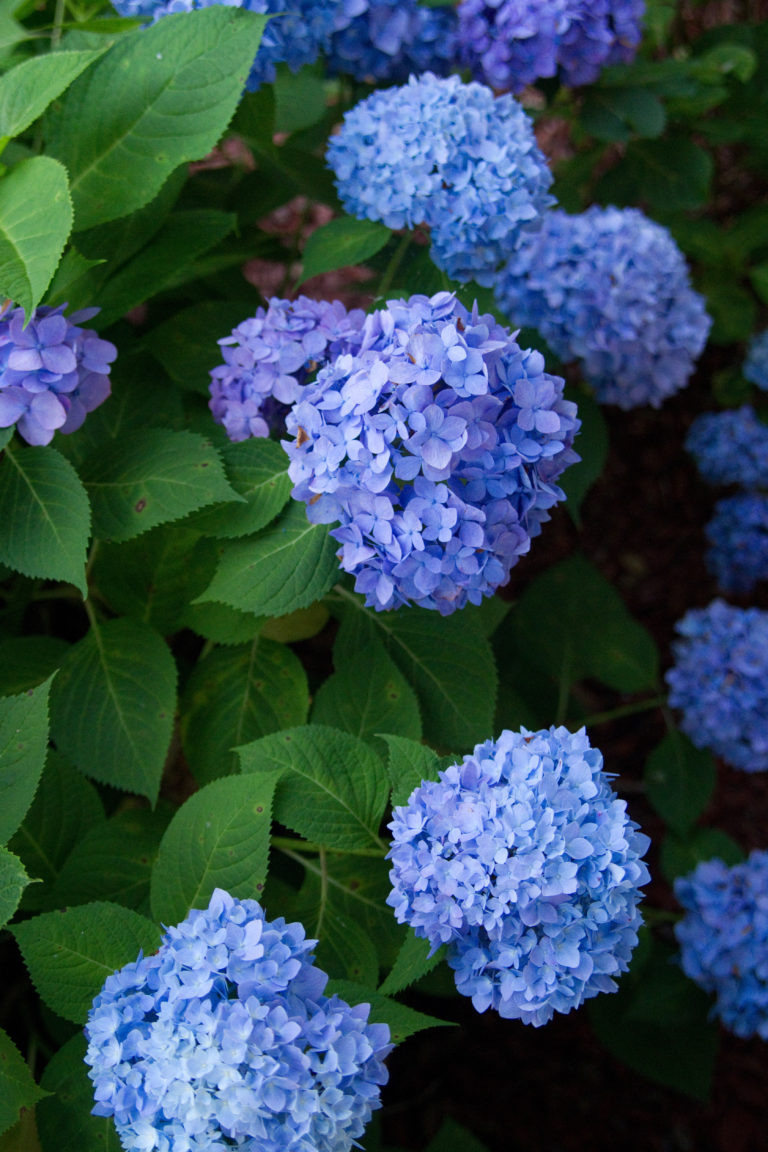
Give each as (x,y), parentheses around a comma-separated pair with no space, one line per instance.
(723,939)
(719,682)
(522,860)
(756,362)
(225,1039)
(52,372)
(436,448)
(267,359)
(388,40)
(447,155)
(738,539)
(610,288)
(730,447)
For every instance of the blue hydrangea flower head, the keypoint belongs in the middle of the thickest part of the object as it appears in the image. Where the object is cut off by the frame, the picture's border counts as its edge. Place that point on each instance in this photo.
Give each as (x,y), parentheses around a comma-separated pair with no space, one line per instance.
(719,682)
(610,288)
(738,537)
(390,39)
(225,1039)
(522,860)
(449,156)
(267,359)
(723,939)
(756,362)
(730,447)
(435,448)
(52,372)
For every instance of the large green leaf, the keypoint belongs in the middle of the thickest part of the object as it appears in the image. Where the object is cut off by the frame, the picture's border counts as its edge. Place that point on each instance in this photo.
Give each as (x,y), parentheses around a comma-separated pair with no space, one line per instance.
(45,515)
(235,695)
(64,1118)
(679,781)
(414,960)
(70,953)
(403,1021)
(219,838)
(344,949)
(13,881)
(23,741)
(186,343)
(258,470)
(18,1090)
(342,242)
(154,101)
(151,477)
(409,765)
(113,703)
(25,661)
(35,221)
(28,89)
(681,854)
(333,787)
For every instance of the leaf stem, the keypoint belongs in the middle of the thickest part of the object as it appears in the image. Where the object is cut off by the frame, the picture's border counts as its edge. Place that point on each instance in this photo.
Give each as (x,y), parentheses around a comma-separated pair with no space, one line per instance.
(624,710)
(58,22)
(394,264)
(323,892)
(289,845)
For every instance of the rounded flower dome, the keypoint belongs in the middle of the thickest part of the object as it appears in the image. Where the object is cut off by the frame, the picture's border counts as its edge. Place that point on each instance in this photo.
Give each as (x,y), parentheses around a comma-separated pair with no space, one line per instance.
(730,447)
(738,542)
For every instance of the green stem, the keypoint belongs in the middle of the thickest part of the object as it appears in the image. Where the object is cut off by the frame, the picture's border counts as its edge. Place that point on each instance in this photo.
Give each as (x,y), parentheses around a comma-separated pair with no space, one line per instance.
(394,264)
(624,710)
(323,892)
(288,844)
(309,866)
(58,22)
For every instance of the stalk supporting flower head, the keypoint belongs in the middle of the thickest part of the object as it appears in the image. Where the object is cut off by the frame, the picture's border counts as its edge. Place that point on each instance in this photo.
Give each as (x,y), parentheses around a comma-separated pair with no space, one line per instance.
(609,288)
(756,362)
(447,155)
(738,542)
(723,939)
(225,1038)
(436,447)
(719,682)
(524,863)
(52,372)
(730,447)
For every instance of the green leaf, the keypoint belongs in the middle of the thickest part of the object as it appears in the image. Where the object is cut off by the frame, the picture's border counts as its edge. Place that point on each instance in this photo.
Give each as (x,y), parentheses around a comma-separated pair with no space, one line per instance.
(680,855)
(409,765)
(151,477)
(333,787)
(45,515)
(222,624)
(258,470)
(679,781)
(592,445)
(23,741)
(113,703)
(13,881)
(453,1138)
(25,661)
(342,243)
(413,961)
(219,838)
(28,89)
(673,174)
(616,113)
(235,695)
(344,949)
(300,99)
(18,1090)
(287,566)
(154,101)
(403,1021)
(367,695)
(186,344)
(759,277)
(70,953)
(302,624)
(64,1118)
(35,221)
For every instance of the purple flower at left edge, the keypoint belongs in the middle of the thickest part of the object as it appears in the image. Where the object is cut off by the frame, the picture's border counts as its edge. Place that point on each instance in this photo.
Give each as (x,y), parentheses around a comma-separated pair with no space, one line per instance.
(52,372)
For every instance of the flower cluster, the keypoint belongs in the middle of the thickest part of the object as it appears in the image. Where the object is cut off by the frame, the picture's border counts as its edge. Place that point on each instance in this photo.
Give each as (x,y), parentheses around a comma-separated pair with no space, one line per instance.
(225,1038)
(267,359)
(738,538)
(390,39)
(511,43)
(436,446)
(610,288)
(523,861)
(756,362)
(720,682)
(52,372)
(723,939)
(730,447)
(476,178)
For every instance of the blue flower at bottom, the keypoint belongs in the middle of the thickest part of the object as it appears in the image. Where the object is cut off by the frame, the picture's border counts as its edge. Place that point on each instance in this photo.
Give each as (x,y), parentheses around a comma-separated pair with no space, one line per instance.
(723,939)
(225,1039)
(522,860)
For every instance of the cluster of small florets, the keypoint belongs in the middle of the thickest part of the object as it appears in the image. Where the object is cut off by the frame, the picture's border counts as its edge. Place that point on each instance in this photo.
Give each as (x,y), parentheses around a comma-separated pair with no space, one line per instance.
(523,861)
(52,372)
(511,43)
(390,39)
(476,177)
(723,939)
(720,682)
(225,1039)
(268,357)
(730,447)
(738,539)
(610,288)
(436,447)
(756,362)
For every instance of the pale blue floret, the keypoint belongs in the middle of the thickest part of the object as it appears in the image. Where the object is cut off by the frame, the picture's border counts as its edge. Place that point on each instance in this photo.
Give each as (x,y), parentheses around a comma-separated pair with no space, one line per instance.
(738,537)
(723,939)
(730,447)
(719,682)
(609,288)
(756,362)
(522,861)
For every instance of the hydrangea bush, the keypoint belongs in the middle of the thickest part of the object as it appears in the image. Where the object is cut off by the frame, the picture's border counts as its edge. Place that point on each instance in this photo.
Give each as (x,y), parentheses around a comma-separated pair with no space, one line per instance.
(310,627)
